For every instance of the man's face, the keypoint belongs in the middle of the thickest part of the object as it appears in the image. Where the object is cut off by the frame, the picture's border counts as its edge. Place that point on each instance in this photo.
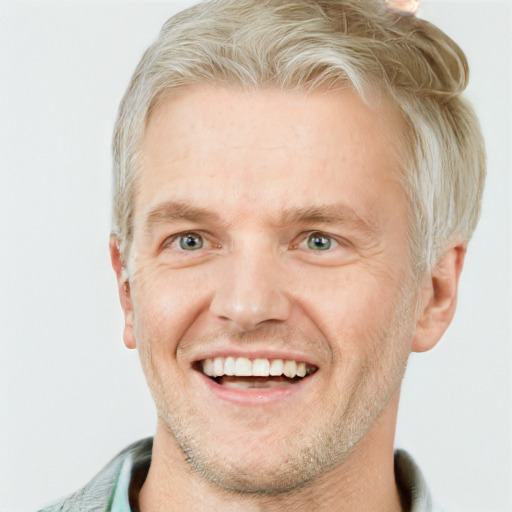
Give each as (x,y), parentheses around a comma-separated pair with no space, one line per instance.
(270,226)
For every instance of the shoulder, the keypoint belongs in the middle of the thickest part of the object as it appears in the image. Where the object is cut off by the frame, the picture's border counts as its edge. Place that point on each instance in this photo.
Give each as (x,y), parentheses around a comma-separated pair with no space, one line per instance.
(97,494)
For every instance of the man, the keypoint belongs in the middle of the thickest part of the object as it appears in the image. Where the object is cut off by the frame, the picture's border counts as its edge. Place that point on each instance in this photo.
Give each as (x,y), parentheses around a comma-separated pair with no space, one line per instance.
(295,186)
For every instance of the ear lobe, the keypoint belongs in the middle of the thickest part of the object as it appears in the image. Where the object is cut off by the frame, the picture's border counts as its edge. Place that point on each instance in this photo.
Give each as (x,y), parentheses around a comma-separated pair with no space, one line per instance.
(439,299)
(123,287)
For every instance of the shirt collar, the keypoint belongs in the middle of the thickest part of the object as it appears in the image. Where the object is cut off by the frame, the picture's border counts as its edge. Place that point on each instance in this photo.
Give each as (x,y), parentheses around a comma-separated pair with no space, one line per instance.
(408,477)
(120,501)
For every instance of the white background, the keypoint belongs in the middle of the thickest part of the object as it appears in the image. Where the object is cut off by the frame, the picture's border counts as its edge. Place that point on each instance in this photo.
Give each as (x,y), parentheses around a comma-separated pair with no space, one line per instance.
(71,395)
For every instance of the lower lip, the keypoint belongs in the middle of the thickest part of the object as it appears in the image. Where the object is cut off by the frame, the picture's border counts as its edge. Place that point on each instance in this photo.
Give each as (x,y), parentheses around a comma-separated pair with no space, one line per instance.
(254,396)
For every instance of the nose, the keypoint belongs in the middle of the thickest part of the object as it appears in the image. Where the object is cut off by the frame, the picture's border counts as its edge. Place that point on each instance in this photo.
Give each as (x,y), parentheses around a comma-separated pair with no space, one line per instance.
(250,289)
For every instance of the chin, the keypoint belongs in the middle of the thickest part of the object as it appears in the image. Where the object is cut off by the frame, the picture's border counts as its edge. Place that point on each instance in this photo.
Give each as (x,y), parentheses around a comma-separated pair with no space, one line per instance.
(262,465)
(259,477)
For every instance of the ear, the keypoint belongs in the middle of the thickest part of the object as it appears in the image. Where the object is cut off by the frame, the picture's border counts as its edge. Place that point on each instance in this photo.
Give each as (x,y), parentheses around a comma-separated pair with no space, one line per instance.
(123,286)
(439,299)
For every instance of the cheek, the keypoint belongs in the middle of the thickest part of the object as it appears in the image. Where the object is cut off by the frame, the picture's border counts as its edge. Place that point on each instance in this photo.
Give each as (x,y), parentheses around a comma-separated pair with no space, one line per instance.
(166,302)
(350,302)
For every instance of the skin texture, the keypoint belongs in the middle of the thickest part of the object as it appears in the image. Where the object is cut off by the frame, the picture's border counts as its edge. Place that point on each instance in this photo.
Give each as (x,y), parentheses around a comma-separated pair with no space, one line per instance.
(251,175)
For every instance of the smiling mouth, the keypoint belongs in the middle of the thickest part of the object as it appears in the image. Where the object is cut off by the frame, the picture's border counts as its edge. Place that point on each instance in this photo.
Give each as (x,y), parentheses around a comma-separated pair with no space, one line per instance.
(244,373)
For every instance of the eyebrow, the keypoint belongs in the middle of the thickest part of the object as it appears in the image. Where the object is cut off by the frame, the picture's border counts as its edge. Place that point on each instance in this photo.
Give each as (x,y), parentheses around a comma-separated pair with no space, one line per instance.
(170,211)
(339,213)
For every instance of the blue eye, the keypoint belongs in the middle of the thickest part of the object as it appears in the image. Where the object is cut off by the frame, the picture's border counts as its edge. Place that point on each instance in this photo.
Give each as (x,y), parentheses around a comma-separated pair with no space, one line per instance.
(190,242)
(319,242)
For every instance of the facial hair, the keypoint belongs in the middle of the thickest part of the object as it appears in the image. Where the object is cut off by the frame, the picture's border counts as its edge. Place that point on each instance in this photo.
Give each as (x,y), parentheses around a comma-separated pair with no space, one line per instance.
(319,442)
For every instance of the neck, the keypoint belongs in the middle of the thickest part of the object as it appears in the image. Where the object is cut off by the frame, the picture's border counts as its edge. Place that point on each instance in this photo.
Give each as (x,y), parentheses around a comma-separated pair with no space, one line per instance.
(364,482)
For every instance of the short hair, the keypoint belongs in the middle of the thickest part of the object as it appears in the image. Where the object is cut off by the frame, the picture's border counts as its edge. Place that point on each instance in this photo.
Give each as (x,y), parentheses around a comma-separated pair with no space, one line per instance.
(307,45)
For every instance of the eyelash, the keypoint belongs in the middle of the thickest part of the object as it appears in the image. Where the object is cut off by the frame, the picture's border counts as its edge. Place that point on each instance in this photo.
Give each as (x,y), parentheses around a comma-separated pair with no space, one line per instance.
(305,237)
(175,238)
(319,234)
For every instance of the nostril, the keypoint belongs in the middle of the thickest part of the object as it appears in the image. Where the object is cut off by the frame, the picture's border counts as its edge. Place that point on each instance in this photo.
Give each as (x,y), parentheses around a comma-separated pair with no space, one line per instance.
(250,289)
(253,311)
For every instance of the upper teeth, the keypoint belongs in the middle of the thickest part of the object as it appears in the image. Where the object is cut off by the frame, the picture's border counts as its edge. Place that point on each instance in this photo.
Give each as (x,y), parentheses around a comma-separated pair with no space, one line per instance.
(244,367)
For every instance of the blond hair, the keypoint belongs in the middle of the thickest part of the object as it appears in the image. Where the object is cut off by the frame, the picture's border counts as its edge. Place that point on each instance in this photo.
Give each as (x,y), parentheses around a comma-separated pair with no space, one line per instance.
(305,45)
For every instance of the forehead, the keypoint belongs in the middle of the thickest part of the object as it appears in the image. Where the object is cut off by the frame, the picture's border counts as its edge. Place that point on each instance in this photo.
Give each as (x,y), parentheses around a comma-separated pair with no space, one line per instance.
(268,149)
